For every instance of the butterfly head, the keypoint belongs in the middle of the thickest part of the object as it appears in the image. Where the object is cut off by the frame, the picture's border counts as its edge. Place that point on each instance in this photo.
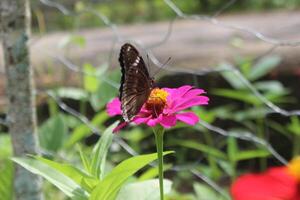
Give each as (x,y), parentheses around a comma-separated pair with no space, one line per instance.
(152,82)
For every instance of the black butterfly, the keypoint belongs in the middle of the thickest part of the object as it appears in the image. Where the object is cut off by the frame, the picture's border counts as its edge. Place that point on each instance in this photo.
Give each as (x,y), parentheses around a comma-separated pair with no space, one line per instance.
(136,84)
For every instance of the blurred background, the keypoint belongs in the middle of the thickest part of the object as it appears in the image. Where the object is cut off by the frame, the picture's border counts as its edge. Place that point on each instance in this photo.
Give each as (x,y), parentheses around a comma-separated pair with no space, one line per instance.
(244,53)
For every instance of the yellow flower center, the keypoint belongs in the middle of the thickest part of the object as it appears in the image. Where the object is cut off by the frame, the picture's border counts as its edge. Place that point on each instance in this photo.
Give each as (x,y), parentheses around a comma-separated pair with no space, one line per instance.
(157,101)
(157,96)
(294,168)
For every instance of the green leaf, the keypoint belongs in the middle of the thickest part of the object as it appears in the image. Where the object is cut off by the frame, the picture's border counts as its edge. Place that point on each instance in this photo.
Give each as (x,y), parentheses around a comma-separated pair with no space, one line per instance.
(245,65)
(294,126)
(83,130)
(279,98)
(71,171)
(53,107)
(72,40)
(78,133)
(111,184)
(84,159)
(207,116)
(279,127)
(232,149)
(174,195)
(241,95)
(223,112)
(6,179)
(6,168)
(263,67)
(250,154)
(70,93)
(204,192)
(145,190)
(78,40)
(71,121)
(90,81)
(152,173)
(249,114)
(107,90)
(100,152)
(136,135)
(61,181)
(231,78)
(52,133)
(200,147)
(271,86)
(5,146)
(227,167)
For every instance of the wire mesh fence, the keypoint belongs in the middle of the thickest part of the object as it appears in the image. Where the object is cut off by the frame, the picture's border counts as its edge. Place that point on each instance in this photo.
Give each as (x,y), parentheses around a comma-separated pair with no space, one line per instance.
(117,38)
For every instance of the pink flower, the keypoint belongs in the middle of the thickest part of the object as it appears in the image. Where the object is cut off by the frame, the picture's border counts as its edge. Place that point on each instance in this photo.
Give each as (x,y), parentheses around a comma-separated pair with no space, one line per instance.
(164,106)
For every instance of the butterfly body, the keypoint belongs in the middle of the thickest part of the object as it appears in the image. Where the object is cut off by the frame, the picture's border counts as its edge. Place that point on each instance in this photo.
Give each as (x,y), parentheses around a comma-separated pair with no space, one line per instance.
(136,84)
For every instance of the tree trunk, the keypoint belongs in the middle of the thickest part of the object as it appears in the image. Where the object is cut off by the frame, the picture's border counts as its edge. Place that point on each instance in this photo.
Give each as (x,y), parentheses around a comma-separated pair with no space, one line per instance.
(21,116)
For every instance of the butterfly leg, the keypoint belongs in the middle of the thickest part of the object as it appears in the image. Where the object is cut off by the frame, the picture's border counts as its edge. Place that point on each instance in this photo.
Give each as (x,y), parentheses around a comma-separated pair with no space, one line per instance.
(148,61)
(157,108)
(121,125)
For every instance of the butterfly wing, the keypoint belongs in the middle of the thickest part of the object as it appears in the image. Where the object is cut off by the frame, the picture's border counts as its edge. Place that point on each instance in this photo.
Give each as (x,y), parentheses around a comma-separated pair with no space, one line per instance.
(136,84)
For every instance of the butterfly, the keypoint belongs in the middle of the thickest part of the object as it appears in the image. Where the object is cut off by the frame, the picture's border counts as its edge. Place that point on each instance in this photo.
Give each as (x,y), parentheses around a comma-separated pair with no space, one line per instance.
(136,83)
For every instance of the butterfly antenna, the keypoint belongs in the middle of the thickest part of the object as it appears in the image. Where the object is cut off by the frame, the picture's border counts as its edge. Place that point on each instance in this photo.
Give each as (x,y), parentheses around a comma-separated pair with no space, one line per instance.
(163,65)
(148,62)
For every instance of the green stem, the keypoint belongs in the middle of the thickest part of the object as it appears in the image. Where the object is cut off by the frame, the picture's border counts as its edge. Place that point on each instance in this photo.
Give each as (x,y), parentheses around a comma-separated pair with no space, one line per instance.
(159,134)
(82,107)
(261,134)
(211,160)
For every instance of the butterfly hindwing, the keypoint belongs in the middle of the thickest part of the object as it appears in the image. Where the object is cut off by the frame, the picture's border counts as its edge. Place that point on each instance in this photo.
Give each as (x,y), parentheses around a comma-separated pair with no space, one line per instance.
(135,82)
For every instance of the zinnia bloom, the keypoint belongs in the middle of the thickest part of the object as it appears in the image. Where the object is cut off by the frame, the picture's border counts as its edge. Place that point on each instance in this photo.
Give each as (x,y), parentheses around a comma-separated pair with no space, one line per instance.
(277,183)
(164,106)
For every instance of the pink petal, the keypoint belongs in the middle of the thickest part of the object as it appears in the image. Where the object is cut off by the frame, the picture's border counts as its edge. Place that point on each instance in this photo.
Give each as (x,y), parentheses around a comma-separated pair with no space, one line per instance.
(120,126)
(114,107)
(184,103)
(189,118)
(139,120)
(176,93)
(183,98)
(193,93)
(168,121)
(181,91)
(154,121)
(187,103)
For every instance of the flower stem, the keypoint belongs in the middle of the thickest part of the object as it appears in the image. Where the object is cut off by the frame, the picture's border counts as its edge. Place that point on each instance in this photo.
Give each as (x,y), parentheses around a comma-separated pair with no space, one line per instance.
(159,134)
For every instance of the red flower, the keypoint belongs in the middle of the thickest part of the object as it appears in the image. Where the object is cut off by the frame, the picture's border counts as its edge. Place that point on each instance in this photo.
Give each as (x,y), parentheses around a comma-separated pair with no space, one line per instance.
(277,183)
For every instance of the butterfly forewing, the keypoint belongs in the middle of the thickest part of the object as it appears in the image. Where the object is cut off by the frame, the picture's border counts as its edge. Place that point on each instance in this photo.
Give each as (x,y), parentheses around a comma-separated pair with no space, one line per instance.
(136,84)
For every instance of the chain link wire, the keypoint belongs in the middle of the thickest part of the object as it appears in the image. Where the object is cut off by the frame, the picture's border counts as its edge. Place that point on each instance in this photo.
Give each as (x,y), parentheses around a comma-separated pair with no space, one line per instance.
(119,38)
